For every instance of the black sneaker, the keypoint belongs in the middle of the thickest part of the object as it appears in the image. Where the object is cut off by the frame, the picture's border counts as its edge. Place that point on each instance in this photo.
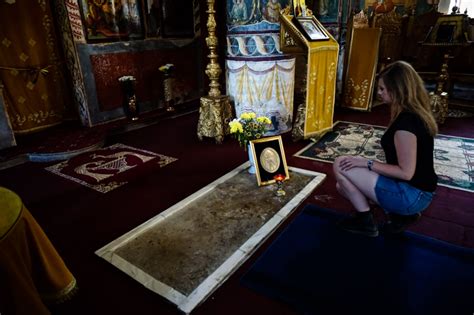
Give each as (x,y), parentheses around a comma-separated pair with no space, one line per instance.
(360,223)
(398,223)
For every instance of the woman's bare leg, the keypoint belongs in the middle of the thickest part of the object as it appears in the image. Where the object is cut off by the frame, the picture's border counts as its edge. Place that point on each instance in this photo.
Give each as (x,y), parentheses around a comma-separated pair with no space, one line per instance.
(356,185)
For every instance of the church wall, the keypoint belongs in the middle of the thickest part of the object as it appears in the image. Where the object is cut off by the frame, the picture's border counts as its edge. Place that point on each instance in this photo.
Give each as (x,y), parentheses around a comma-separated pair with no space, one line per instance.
(102,65)
(100,59)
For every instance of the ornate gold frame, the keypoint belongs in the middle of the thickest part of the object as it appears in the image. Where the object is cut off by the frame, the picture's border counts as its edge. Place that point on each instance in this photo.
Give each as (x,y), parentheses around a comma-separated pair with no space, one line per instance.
(317,30)
(269,159)
(454,22)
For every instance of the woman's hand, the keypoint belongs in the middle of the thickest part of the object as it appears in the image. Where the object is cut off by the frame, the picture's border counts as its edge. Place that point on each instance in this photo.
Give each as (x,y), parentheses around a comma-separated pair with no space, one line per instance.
(349,162)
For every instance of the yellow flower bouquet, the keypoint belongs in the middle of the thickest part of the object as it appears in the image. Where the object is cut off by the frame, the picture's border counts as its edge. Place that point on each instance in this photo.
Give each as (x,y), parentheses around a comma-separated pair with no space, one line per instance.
(248,127)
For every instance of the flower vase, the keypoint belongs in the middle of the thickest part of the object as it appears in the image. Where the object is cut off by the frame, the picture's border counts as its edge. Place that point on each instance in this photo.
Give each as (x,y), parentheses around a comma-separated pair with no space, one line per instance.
(252,164)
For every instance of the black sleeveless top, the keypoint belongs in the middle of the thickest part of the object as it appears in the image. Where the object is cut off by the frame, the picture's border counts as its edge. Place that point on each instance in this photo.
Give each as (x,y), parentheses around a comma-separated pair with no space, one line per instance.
(425,177)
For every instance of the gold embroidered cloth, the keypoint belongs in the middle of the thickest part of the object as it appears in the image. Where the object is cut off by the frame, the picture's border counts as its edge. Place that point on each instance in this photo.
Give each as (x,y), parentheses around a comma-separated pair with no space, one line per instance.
(35,89)
(361,68)
(31,269)
(322,57)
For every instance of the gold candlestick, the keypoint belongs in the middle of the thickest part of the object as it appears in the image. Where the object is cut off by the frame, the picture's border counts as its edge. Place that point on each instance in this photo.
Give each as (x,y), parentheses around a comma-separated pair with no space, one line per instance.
(215,111)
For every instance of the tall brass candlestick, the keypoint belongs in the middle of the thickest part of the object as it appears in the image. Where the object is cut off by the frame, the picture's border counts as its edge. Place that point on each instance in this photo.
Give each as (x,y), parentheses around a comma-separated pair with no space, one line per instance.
(215,111)
(213,70)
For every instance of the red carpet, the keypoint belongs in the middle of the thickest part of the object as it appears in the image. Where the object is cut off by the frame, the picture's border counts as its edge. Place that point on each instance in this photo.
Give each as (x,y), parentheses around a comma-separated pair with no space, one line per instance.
(78,220)
(109,168)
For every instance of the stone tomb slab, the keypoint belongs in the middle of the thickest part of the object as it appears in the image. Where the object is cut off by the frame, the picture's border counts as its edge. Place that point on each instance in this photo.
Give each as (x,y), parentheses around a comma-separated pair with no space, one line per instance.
(190,249)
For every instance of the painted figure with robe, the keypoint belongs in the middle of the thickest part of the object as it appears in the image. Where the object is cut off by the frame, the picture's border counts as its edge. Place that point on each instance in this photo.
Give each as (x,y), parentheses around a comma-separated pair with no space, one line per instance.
(239,11)
(272,11)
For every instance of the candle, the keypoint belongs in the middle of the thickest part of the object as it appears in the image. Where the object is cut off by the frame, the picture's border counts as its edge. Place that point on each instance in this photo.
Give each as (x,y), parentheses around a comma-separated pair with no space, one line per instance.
(279,177)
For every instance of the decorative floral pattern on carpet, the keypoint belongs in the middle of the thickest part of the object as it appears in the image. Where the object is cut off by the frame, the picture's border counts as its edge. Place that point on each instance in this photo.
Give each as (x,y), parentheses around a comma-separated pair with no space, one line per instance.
(109,168)
(457,113)
(453,156)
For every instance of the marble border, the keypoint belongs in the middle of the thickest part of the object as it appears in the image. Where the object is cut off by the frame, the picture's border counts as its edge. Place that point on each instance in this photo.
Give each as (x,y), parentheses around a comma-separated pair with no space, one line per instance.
(211,283)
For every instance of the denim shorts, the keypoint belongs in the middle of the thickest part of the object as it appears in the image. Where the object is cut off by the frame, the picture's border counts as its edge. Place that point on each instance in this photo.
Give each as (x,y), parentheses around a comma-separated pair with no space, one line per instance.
(400,197)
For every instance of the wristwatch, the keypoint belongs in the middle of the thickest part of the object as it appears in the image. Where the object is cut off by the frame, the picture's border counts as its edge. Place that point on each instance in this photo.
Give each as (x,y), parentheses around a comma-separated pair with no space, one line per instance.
(370,163)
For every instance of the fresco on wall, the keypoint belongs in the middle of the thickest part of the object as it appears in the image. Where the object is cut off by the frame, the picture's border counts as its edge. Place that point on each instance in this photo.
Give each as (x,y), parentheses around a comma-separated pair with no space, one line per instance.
(253,27)
(246,12)
(241,11)
(379,7)
(271,10)
(111,19)
(326,10)
(258,77)
(356,7)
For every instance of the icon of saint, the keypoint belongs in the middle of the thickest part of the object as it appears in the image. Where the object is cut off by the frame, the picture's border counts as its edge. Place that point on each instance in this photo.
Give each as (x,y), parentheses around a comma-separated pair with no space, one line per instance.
(272,11)
(239,11)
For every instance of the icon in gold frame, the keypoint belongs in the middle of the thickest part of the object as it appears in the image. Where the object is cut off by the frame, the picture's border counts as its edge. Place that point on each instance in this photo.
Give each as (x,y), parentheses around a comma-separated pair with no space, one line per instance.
(269,158)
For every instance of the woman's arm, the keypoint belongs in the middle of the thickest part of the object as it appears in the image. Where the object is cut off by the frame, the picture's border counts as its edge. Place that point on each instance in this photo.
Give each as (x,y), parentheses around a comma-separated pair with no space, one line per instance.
(405,145)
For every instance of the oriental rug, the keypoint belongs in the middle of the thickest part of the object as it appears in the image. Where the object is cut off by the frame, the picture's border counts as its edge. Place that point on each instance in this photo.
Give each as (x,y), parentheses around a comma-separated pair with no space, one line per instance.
(109,168)
(190,249)
(458,113)
(453,156)
(317,268)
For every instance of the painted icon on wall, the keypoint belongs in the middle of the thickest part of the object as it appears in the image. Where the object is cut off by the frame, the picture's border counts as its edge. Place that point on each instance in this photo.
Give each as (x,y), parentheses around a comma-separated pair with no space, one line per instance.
(240,11)
(326,11)
(112,19)
(271,10)
(246,12)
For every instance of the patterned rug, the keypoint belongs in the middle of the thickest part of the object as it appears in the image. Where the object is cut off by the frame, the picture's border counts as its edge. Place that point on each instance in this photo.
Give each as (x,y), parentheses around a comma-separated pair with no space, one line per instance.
(453,156)
(457,113)
(109,168)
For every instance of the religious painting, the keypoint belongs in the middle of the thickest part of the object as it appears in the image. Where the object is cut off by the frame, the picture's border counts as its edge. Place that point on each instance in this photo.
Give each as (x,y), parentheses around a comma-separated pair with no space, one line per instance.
(269,158)
(271,9)
(349,6)
(241,12)
(312,30)
(112,19)
(326,10)
(252,12)
(381,7)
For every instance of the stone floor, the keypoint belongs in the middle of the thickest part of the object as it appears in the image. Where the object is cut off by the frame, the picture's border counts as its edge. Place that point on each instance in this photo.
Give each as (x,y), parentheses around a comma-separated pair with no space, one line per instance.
(186,252)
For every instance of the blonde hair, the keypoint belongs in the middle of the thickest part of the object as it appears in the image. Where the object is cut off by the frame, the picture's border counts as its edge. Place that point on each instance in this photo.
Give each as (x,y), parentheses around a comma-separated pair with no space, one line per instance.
(408,93)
